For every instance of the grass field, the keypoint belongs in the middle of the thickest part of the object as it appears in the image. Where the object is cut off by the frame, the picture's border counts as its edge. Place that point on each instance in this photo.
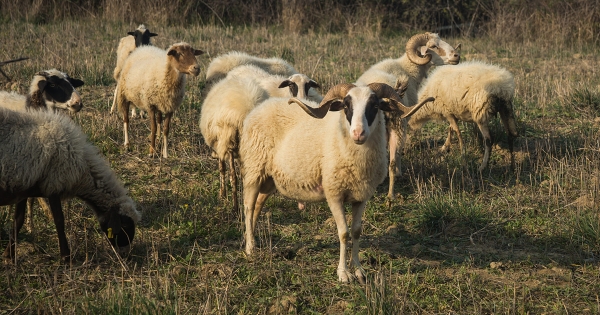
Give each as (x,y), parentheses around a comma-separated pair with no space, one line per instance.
(456,242)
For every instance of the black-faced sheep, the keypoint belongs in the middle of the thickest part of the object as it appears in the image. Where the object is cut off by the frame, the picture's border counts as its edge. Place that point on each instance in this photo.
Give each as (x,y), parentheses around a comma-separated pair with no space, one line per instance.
(422,52)
(472,92)
(141,36)
(220,66)
(50,89)
(154,80)
(45,154)
(339,157)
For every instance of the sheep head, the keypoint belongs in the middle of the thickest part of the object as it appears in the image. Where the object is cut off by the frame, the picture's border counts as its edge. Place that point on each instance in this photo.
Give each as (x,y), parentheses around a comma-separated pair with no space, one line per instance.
(142,35)
(57,90)
(361,104)
(299,85)
(184,58)
(118,224)
(423,48)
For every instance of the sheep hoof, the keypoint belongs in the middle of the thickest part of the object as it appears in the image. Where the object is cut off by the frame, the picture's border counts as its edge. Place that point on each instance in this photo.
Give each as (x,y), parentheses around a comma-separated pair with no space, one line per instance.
(360,275)
(344,275)
(301,205)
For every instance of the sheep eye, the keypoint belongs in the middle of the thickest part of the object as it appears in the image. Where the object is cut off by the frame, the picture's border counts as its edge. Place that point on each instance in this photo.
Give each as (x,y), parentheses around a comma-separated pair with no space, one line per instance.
(433,47)
(52,85)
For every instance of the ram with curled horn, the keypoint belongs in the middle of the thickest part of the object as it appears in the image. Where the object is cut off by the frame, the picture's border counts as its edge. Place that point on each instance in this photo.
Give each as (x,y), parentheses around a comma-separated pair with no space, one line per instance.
(333,100)
(338,157)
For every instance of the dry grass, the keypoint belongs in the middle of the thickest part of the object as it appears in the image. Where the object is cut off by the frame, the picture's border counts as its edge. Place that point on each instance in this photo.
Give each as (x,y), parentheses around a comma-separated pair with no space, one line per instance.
(459,242)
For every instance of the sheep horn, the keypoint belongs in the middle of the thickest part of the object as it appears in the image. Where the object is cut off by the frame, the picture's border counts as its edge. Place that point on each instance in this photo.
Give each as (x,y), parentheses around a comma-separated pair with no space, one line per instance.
(413,109)
(412,47)
(336,93)
(401,86)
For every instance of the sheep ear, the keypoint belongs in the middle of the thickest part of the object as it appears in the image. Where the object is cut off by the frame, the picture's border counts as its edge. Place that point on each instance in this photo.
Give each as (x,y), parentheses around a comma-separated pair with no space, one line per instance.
(313,84)
(336,106)
(43,73)
(198,52)
(389,105)
(131,33)
(173,53)
(423,50)
(42,84)
(75,82)
(152,34)
(285,83)
(458,47)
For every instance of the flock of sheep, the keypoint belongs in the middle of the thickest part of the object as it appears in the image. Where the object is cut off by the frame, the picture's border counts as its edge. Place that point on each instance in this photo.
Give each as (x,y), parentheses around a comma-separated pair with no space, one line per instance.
(260,113)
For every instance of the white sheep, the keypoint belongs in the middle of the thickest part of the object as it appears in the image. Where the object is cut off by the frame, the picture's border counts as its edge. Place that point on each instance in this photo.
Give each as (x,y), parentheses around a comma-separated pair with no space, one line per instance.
(51,89)
(220,66)
(154,80)
(221,118)
(422,52)
(231,99)
(472,92)
(339,158)
(45,154)
(141,36)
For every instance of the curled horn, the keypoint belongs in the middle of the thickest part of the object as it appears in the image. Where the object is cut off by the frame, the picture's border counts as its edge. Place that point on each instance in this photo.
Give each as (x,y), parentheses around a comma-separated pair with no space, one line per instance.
(336,93)
(412,46)
(385,91)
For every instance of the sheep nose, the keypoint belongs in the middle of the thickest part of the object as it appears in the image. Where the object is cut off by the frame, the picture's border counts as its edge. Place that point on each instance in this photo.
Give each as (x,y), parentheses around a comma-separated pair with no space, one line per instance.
(195,70)
(358,135)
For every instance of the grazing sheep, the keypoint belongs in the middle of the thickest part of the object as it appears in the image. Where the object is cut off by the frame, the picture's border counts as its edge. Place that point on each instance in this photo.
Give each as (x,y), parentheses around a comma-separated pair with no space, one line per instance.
(220,66)
(48,89)
(154,80)
(45,154)
(339,157)
(141,36)
(221,118)
(472,92)
(422,52)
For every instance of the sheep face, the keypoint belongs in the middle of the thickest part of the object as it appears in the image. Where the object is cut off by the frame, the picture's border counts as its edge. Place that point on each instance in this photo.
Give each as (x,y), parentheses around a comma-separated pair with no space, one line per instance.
(183,57)
(58,90)
(142,36)
(443,53)
(119,228)
(299,85)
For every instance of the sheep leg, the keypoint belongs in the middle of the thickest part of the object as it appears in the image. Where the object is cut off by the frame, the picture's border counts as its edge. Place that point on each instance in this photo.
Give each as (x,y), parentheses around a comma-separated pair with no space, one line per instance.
(59,222)
(358,208)
(454,127)
(114,103)
(448,142)
(234,182)
(337,210)
(152,114)
(222,188)
(508,120)
(18,220)
(29,217)
(124,107)
(392,168)
(165,133)
(255,196)
(487,140)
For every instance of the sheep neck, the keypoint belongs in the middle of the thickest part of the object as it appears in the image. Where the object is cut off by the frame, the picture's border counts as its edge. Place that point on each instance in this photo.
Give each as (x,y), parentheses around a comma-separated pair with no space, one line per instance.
(35,100)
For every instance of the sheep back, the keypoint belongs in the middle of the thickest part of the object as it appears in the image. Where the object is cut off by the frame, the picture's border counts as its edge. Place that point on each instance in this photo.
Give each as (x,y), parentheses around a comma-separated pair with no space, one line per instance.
(310,158)
(126,46)
(220,66)
(13,101)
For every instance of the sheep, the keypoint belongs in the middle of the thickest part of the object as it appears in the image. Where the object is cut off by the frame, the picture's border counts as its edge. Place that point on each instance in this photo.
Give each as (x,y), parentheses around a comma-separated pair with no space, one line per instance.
(231,99)
(154,80)
(45,154)
(141,36)
(220,66)
(473,92)
(340,157)
(422,52)
(48,89)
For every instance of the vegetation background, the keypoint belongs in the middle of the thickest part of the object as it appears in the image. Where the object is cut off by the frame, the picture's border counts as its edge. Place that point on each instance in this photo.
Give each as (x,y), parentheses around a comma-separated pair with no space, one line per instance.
(457,242)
